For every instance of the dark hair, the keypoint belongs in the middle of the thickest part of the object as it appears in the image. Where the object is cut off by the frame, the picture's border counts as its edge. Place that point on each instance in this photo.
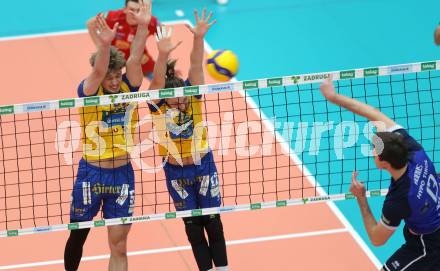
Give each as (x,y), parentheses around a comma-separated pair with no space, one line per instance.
(126,1)
(117,59)
(391,147)
(171,80)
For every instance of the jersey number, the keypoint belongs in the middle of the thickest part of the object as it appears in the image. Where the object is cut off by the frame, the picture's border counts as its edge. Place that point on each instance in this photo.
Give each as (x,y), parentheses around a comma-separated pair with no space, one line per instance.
(432,189)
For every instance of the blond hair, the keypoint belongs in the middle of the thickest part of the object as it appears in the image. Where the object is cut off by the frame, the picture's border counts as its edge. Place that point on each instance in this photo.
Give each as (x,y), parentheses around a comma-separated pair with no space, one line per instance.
(117,59)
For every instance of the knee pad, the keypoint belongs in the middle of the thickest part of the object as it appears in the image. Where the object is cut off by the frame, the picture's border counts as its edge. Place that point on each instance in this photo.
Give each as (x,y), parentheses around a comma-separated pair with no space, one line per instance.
(77,238)
(214,227)
(74,249)
(194,230)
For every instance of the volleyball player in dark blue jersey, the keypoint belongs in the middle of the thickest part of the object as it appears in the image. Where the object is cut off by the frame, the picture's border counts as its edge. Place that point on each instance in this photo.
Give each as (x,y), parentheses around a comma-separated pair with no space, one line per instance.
(413,194)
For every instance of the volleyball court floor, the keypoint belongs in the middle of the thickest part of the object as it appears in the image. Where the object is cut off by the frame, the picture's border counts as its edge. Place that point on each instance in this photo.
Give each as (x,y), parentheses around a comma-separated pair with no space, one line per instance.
(307,237)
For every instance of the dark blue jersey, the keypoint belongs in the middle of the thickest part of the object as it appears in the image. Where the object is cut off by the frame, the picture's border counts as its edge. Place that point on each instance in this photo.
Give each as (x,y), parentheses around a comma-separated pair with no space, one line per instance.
(414,197)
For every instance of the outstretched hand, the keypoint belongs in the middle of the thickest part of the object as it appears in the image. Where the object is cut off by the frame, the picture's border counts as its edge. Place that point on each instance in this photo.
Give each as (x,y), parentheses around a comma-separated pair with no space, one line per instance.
(163,37)
(327,88)
(104,35)
(202,24)
(143,16)
(357,188)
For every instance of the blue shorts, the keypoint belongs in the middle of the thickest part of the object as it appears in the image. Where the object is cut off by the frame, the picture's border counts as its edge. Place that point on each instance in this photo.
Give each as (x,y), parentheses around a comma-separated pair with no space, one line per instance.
(113,188)
(419,253)
(194,186)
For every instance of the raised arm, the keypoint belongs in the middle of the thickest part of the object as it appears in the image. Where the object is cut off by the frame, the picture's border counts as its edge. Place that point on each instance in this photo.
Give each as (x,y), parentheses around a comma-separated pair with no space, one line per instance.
(90,26)
(359,108)
(165,47)
(195,75)
(103,36)
(134,62)
(377,232)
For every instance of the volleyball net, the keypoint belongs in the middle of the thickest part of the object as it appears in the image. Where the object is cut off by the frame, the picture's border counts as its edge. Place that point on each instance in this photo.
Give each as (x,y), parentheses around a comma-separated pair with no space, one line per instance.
(276,142)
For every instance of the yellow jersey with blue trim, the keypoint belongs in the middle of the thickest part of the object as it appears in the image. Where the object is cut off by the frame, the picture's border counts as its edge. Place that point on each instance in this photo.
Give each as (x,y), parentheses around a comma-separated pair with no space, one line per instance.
(180,133)
(108,129)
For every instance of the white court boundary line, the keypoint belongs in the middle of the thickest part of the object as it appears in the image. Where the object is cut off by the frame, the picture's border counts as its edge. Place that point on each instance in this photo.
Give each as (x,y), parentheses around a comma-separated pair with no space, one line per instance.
(183,248)
(286,147)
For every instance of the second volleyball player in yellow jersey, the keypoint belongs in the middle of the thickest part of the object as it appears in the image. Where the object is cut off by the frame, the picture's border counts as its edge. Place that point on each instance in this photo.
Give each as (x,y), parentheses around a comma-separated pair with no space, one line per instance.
(180,127)
(105,175)
(191,174)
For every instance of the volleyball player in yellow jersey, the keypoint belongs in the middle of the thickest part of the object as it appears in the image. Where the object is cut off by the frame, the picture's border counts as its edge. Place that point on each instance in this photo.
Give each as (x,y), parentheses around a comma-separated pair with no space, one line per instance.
(105,176)
(190,170)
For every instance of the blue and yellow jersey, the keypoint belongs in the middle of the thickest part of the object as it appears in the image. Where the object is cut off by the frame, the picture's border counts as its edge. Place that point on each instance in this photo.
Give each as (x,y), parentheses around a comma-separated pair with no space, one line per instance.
(180,134)
(108,129)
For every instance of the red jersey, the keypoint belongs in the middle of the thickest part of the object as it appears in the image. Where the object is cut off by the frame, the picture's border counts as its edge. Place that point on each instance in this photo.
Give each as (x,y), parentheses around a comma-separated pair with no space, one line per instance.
(125,35)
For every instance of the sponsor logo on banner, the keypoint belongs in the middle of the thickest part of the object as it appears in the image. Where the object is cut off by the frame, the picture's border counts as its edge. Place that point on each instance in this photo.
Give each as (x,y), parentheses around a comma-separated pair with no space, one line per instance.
(99,223)
(42,229)
(427,66)
(323,198)
(281,203)
(166,93)
(12,233)
(191,91)
(170,215)
(135,95)
(375,193)
(220,88)
(196,212)
(315,77)
(347,74)
(274,82)
(296,79)
(349,196)
(91,101)
(139,218)
(400,69)
(36,107)
(250,84)
(227,209)
(113,98)
(73,226)
(371,72)
(255,206)
(66,103)
(7,110)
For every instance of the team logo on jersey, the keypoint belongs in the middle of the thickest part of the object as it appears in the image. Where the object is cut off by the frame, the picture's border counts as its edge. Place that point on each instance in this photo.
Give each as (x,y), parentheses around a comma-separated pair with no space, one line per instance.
(116,115)
(395,264)
(122,44)
(179,124)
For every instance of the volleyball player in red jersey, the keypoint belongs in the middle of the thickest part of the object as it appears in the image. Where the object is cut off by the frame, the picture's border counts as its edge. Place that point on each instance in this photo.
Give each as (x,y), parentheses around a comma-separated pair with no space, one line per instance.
(127,30)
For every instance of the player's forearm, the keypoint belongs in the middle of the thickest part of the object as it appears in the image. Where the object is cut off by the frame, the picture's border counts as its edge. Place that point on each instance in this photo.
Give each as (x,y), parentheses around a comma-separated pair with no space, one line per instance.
(370,222)
(362,109)
(159,73)
(102,60)
(138,46)
(90,28)
(197,53)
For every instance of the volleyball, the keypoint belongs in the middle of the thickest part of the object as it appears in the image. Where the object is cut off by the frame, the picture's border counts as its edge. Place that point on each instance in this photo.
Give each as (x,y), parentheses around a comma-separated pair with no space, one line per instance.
(222,65)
